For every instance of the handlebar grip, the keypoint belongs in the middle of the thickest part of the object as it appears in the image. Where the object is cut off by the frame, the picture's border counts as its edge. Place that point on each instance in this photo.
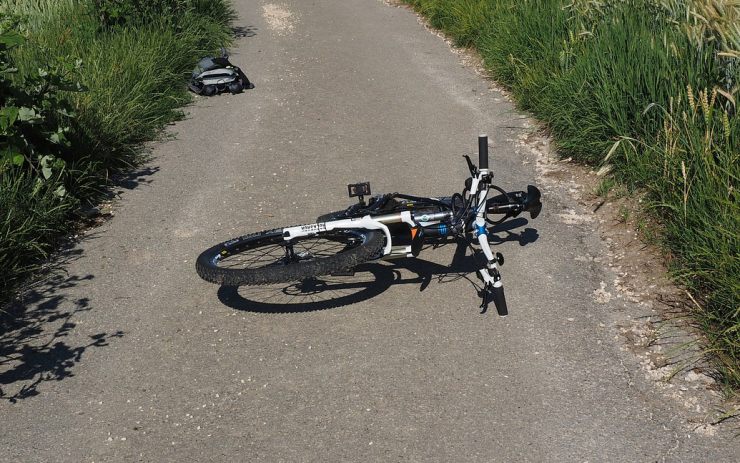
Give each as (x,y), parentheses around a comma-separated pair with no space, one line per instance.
(483,151)
(508,208)
(499,300)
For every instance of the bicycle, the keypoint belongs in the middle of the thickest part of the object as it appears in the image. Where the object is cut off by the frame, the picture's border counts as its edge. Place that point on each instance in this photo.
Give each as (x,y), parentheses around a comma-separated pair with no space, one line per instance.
(387,226)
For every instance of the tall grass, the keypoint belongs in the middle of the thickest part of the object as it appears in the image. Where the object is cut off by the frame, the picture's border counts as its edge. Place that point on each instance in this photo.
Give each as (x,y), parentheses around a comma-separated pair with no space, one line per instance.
(133,75)
(28,217)
(648,88)
(694,177)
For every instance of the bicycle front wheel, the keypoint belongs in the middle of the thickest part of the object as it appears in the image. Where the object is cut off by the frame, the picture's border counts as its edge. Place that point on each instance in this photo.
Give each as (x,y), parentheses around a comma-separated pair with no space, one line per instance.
(266,257)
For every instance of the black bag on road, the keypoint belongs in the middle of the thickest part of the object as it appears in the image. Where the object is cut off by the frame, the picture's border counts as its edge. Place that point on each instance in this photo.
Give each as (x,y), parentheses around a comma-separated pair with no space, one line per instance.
(216,75)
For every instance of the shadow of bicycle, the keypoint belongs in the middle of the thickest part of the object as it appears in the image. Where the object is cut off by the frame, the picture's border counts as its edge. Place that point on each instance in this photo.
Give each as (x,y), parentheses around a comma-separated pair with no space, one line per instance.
(367,280)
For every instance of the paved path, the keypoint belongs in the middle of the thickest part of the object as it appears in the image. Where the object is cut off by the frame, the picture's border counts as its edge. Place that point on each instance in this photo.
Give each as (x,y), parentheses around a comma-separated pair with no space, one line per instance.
(129,356)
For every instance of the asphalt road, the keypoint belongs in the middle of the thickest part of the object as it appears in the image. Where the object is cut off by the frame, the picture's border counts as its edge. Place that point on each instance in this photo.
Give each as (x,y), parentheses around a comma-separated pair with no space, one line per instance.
(128,356)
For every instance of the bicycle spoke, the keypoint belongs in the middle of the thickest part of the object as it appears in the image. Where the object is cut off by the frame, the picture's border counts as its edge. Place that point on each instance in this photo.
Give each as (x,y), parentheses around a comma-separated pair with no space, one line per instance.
(242,258)
(283,253)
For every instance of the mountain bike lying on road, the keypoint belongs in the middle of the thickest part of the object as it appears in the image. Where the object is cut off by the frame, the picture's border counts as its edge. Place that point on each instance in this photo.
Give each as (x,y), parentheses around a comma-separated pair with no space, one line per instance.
(387,226)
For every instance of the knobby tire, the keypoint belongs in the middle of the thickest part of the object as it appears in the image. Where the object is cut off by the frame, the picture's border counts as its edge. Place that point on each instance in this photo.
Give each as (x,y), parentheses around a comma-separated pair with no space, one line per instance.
(209,263)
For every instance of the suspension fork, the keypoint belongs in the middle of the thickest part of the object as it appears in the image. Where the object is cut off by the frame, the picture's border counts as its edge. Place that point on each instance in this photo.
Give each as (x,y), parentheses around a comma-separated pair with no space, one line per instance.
(490,275)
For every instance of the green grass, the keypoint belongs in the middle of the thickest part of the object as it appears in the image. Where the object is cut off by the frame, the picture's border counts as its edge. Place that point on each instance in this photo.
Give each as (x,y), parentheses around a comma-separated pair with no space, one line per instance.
(604,187)
(651,84)
(29,217)
(134,77)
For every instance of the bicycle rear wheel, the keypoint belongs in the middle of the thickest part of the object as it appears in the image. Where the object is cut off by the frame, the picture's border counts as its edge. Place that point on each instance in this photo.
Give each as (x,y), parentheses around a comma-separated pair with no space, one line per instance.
(265,257)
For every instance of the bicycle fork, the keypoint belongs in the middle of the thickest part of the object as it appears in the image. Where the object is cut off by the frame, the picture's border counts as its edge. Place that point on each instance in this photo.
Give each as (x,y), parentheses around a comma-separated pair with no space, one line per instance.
(493,288)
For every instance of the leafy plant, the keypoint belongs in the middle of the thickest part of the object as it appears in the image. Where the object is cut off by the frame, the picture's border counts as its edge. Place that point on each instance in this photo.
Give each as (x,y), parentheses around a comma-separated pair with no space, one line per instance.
(35,116)
(122,12)
(65,129)
(118,13)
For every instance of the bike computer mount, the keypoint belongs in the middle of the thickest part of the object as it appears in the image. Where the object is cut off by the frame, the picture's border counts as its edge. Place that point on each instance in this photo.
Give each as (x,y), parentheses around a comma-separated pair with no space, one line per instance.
(360,190)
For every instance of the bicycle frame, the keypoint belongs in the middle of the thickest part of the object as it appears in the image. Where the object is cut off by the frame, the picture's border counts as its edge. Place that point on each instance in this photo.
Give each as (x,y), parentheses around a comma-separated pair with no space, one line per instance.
(354,235)
(480,182)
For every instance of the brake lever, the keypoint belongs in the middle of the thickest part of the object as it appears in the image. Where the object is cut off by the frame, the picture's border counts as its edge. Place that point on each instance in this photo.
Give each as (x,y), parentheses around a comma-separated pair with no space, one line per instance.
(471,166)
(484,296)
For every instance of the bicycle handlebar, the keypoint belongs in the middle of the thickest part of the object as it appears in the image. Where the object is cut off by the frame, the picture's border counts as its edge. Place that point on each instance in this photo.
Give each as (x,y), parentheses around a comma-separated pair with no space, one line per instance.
(483,151)
(499,300)
(514,202)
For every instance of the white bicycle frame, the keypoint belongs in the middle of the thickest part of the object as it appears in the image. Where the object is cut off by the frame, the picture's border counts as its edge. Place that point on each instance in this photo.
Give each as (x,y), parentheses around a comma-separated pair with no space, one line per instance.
(478,189)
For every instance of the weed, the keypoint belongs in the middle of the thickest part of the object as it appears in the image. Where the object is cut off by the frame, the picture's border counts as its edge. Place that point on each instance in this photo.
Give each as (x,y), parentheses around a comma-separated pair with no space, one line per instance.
(624,213)
(605,186)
